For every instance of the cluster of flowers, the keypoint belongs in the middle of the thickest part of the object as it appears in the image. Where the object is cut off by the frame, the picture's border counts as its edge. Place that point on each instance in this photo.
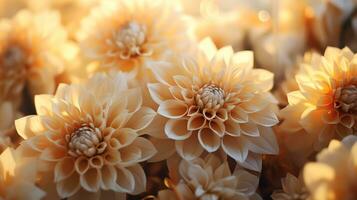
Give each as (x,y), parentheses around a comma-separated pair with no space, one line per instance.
(155,99)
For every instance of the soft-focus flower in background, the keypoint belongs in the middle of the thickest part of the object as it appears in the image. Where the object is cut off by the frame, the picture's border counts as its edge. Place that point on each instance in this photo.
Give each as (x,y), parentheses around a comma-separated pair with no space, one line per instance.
(9,8)
(86,138)
(293,188)
(279,36)
(125,35)
(219,20)
(324,106)
(34,50)
(72,11)
(328,19)
(334,175)
(210,178)
(17,177)
(215,100)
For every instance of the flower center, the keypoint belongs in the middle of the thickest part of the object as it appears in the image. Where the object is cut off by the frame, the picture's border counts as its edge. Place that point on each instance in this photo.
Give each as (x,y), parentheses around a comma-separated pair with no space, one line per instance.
(210,96)
(86,141)
(346,99)
(130,40)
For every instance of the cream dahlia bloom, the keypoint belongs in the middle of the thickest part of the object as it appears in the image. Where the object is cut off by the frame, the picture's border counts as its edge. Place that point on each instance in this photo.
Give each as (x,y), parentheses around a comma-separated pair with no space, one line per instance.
(86,138)
(324,106)
(17,177)
(125,34)
(334,175)
(293,188)
(210,179)
(33,50)
(215,100)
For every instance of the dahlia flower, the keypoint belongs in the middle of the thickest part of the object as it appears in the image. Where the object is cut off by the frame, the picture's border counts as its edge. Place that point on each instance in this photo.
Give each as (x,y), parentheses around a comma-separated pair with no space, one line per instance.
(334,175)
(33,50)
(86,138)
(210,178)
(293,188)
(324,106)
(125,34)
(17,177)
(215,100)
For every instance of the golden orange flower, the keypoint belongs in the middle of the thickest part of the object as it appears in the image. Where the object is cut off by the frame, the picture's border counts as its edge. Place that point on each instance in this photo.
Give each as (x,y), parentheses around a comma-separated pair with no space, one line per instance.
(125,34)
(33,50)
(334,175)
(293,188)
(86,137)
(215,100)
(210,178)
(324,106)
(17,177)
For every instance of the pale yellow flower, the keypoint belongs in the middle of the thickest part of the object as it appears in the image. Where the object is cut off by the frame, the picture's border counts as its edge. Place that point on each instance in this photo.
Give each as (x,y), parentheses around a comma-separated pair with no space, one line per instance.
(293,188)
(334,175)
(210,179)
(33,50)
(324,106)
(86,138)
(17,177)
(215,100)
(125,34)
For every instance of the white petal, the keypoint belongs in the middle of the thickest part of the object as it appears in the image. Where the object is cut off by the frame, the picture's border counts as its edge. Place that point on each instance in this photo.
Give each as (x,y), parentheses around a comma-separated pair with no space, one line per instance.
(265,117)
(252,162)
(159,92)
(177,129)
(264,144)
(209,140)
(249,129)
(139,177)
(172,109)
(141,119)
(235,147)
(190,148)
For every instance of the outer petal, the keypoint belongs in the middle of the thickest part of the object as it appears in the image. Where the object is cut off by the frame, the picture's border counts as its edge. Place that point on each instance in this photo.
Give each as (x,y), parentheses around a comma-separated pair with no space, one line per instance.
(235,147)
(209,140)
(265,144)
(177,129)
(190,148)
(68,186)
(172,109)
(141,119)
